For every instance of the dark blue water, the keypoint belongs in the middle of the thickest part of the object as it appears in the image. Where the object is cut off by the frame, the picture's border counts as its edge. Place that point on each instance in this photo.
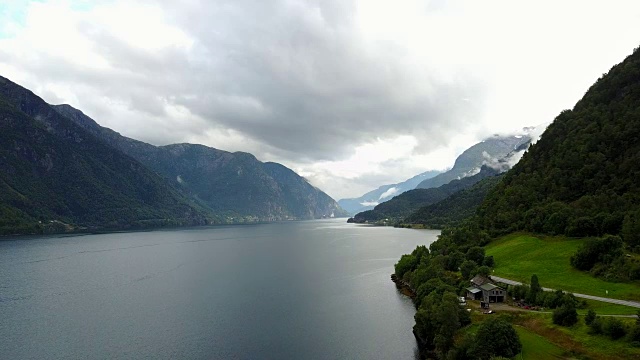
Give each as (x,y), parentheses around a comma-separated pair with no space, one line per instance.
(311,290)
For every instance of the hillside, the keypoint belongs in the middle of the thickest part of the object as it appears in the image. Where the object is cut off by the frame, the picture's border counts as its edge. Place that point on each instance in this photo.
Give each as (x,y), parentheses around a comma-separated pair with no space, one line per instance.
(455,208)
(469,162)
(581,177)
(404,204)
(55,176)
(234,186)
(369,200)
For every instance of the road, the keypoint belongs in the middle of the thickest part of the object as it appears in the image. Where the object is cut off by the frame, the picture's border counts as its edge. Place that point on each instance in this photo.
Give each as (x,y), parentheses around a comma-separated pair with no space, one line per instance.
(584,296)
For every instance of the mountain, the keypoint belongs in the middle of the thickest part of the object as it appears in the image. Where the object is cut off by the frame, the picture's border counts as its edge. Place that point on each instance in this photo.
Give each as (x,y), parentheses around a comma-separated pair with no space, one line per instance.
(374,197)
(485,152)
(234,186)
(581,177)
(406,203)
(56,176)
(455,208)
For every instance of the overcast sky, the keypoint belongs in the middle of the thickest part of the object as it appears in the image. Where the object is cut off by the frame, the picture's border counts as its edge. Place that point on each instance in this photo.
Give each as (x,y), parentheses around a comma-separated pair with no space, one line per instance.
(350,94)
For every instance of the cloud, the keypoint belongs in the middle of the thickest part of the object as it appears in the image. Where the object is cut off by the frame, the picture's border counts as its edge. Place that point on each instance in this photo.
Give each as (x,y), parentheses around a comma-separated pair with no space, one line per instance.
(390,192)
(303,78)
(314,84)
(369,203)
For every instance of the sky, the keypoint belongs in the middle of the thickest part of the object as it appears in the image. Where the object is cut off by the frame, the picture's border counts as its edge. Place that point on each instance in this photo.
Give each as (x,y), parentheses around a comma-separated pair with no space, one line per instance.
(351,94)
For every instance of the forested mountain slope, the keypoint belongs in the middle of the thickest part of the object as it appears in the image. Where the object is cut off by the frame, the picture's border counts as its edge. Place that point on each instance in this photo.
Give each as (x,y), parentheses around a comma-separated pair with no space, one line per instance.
(582,177)
(55,176)
(234,186)
(455,208)
(404,204)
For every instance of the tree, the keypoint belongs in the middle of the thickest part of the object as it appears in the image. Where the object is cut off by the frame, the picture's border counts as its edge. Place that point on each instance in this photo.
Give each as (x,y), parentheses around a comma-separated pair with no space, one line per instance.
(631,229)
(591,316)
(496,337)
(566,315)
(467,268)
(535,284)
(488,261)
(476,254)
(534,290)
(484,271)
(407,263)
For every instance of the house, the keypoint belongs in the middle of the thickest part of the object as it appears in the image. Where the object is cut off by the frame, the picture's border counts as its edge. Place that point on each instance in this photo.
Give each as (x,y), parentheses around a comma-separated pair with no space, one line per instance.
(483,288)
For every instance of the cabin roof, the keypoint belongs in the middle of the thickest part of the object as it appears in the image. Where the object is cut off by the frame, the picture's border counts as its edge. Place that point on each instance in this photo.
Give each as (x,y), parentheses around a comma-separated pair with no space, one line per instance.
(488,287)
(480,280)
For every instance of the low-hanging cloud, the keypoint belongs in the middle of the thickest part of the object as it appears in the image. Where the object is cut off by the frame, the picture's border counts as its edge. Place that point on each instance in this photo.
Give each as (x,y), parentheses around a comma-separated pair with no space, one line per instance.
(309,82)
(300,78)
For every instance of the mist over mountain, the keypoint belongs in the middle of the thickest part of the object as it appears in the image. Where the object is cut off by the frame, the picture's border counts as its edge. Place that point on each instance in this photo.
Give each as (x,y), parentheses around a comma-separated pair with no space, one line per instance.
(403,205)
(491,152)
(369,200)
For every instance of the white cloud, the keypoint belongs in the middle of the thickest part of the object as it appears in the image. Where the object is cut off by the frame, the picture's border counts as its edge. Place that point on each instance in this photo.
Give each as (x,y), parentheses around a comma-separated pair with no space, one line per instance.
(389,193)
(351,94)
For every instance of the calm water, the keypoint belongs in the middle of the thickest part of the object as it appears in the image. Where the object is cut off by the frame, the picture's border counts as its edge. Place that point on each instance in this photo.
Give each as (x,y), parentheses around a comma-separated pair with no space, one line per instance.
(311,290)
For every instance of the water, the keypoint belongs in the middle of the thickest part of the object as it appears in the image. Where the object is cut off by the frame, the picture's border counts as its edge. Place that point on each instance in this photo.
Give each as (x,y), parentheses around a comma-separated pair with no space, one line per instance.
(312,290)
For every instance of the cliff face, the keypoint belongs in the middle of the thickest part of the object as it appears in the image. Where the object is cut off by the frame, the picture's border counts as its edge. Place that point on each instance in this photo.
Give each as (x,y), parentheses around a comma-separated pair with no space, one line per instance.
(236,187)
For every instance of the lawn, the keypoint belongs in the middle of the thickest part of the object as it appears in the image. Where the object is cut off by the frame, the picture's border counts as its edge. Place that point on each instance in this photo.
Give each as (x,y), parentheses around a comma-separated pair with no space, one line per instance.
(599,345)
(574,341)
(603,308)
(518,256)
(535,347)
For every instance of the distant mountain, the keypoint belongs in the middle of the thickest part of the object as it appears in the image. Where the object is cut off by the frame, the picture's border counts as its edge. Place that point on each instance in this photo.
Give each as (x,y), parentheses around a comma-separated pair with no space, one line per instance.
(488,152)
(55,176)
(234,186)
(403,205)
(455,208)
(383,193)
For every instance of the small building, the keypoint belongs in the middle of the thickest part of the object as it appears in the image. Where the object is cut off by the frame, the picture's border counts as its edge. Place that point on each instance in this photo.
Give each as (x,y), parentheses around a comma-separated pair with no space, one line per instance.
(483,288)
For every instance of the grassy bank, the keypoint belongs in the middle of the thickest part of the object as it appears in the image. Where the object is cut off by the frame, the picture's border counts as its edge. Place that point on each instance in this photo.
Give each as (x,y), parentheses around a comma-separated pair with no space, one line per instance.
(536,347)
(518,256)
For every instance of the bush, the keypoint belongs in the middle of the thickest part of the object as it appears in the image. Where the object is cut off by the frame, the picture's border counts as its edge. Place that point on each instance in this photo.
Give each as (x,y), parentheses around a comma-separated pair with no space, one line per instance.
(603,250)
(595,328)
(634,334)
(614,328)
(566,315)
(591,316)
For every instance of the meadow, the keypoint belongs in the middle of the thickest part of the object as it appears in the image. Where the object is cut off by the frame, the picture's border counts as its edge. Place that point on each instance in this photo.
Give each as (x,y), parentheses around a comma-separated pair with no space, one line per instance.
(518,256)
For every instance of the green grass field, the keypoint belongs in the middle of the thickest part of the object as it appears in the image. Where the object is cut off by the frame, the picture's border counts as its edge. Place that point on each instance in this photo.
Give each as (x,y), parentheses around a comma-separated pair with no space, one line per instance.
(602,308)
(536,347)
(518,256)
(600,345)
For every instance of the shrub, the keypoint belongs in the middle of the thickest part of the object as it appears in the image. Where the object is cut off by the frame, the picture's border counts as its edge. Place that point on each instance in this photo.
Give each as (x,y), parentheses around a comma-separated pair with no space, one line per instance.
(603,250)
(595,328)
(566,315)
(591,316)
(614,328)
